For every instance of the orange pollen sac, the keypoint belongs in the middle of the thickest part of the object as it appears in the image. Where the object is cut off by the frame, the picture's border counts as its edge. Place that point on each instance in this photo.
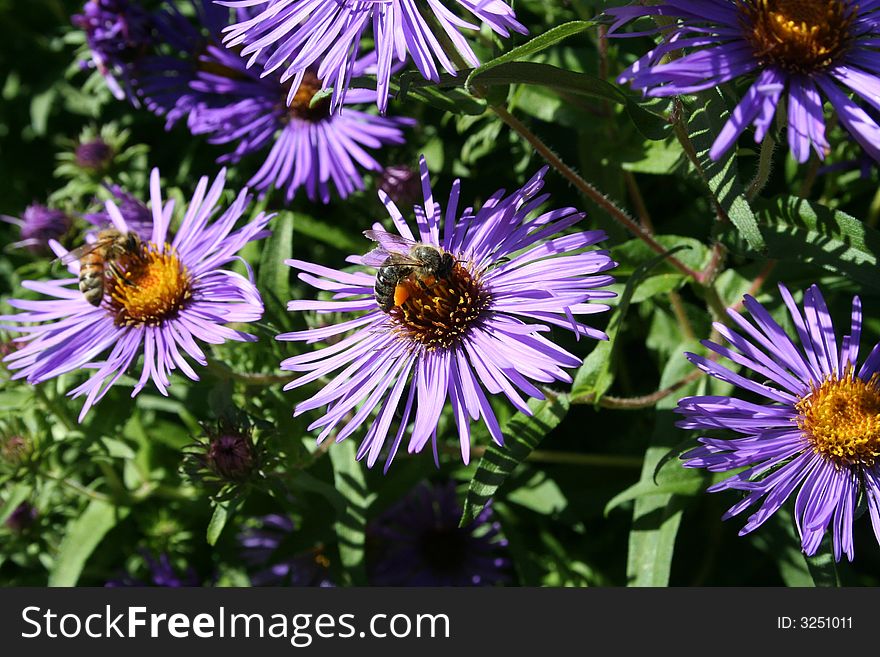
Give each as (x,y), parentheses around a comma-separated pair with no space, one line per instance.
(799,36)
(841,419)
(437,312)
(301,106)
(148,287)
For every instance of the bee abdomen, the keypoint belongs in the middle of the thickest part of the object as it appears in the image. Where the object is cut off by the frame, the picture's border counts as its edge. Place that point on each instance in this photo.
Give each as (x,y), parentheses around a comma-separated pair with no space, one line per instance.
(91,283)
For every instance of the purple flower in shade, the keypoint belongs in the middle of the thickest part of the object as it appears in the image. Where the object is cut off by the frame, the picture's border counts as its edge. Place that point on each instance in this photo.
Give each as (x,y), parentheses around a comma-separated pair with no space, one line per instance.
(38,225)
(418,542)
(93,155)
(802,50)
(304,34)
(308,147)
(22,518)
(272,562)
(118,33)
(402,185)
(816,430)
(477,326)
(158,301)
(136,215)
(161,573)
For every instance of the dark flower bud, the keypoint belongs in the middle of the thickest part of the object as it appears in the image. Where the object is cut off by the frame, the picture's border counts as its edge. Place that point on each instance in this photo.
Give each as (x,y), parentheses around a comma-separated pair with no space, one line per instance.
(93,155)
(231,456)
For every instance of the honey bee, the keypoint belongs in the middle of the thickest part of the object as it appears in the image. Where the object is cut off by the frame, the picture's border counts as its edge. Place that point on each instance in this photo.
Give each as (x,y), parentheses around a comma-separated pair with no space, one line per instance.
(403,264)
(99,258)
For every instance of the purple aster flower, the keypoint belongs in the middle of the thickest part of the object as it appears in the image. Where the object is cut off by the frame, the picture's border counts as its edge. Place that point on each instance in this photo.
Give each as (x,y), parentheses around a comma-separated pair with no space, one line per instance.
(136,215)
(473,320)
(221,98)
(304,34)
(271,561)
(814,434)
(159,298)
(418,542)
(799,50)
(161,573)
(118,33)
(38,225)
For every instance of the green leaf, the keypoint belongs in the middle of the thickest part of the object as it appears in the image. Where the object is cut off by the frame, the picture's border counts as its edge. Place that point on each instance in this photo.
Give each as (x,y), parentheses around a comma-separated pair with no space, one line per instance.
(351,522)
(802,231)
(223,511)
(522,435)
(558,79)
(656,517)
(273,279)
(82,536)
(823,568)
(721,176)
(536,45)
(595,376)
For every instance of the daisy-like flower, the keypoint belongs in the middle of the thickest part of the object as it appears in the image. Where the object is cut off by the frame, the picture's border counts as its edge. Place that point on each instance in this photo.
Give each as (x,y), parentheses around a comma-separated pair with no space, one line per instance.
(815,435)
(137,216)
(118,33)
(304,34)
(266,550)
(159,298)
(418,542)
(802,52)
(475,293)
(308,147)
(39,224)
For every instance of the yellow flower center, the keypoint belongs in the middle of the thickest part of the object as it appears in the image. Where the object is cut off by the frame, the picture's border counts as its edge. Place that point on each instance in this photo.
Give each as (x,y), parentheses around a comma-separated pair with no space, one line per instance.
(148,286)
(438,311)
(799,36)
(841,419)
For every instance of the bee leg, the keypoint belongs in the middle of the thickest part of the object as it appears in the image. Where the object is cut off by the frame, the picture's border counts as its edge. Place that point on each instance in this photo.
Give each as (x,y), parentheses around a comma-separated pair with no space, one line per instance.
(118,273)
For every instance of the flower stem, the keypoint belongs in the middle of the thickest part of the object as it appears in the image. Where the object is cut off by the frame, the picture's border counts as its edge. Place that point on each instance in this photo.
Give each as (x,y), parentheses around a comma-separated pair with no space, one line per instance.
(637,403)
(616,213)
(765,167)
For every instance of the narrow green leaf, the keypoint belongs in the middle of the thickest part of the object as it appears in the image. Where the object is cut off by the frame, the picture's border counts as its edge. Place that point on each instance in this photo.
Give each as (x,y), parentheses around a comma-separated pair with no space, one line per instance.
(656,518)
(82,536)
(536,45)
(823,568)
(351,522)
(522,435)
(721,176)
(802,231)
(558,79)
(273,279)
(223,511)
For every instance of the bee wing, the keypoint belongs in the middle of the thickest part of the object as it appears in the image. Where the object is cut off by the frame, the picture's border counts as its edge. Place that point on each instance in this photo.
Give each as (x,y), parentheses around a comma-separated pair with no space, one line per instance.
(79,252)
(390,242)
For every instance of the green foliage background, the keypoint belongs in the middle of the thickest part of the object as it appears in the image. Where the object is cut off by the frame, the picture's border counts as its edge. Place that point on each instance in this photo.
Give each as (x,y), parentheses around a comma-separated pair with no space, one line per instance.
(590,491)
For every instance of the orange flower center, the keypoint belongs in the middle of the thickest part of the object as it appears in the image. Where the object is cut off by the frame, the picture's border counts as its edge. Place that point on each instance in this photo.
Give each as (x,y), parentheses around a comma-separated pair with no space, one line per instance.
(841,419)
(148,287)
(800,36)
(438,311)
